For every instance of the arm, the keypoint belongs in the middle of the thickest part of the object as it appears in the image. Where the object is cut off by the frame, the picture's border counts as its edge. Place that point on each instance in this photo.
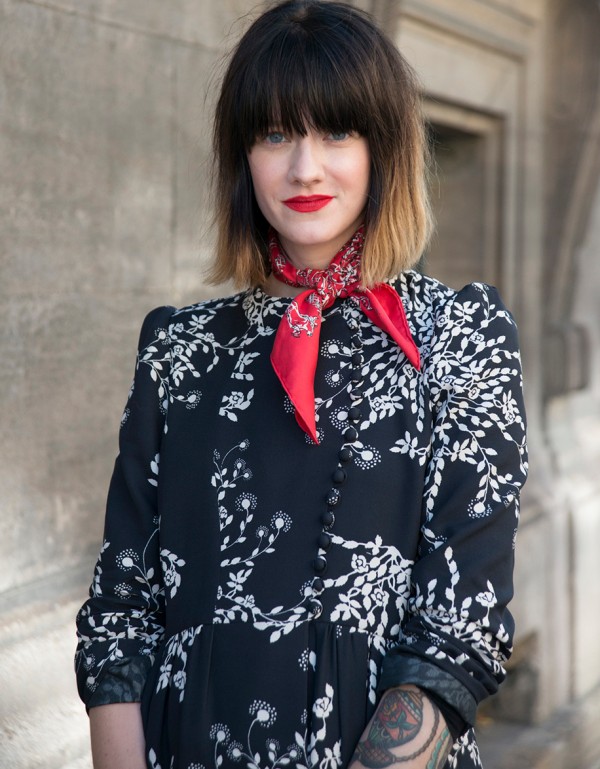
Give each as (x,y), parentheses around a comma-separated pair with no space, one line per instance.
(117,736)
(406,729)
(457,632)
(121,625)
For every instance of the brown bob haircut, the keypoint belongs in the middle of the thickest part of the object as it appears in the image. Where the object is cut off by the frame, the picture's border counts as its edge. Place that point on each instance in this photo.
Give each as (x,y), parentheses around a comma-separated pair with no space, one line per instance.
(325,65)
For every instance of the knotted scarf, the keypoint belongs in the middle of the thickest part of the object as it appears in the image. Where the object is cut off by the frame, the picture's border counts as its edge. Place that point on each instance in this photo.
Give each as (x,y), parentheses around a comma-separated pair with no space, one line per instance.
(296,348)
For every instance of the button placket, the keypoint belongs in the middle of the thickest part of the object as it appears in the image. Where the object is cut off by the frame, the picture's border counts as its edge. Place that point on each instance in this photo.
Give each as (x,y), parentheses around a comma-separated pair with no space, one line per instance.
(339,475)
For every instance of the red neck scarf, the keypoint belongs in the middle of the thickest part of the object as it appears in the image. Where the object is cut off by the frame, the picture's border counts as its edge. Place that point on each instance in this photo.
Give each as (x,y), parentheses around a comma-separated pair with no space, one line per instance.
(296,347)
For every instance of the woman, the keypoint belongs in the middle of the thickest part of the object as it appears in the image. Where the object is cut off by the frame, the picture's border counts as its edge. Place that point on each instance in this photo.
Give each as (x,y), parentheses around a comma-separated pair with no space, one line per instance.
(310,526)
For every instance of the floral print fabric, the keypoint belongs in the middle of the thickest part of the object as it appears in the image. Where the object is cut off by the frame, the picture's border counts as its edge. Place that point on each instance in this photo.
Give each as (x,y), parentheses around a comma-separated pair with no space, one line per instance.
(268,587)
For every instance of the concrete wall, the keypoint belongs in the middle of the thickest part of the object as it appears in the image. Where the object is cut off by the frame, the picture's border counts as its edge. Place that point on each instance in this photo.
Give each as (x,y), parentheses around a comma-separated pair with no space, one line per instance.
(104,207)
(104,213)
(104,174)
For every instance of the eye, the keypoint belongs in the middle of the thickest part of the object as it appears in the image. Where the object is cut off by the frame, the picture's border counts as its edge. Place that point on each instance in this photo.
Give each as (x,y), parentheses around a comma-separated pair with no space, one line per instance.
(339,136)
(275,137)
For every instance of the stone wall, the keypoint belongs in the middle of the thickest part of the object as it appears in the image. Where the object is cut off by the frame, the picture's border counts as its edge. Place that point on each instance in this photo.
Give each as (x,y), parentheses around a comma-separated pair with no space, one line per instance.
(105,211)
(104,202)
(104,189)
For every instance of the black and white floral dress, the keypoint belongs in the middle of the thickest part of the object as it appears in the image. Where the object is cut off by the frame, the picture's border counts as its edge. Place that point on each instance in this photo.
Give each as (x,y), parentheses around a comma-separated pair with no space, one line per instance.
(256,591)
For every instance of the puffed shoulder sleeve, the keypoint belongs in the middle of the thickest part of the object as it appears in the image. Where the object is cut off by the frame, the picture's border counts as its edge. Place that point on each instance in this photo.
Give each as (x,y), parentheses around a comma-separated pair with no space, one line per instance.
(457,634)
(121,624)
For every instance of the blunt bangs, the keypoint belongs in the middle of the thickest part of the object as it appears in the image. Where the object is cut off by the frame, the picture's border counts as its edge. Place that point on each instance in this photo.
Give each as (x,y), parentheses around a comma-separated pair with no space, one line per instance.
(304,76)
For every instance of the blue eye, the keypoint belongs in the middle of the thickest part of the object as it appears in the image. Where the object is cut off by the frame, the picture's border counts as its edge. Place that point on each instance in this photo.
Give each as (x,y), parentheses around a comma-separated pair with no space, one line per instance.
(275,137)
(339,136)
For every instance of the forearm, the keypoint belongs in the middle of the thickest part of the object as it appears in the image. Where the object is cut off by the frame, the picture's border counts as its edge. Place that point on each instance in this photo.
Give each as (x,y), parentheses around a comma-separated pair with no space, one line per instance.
(117,736)
(407,729)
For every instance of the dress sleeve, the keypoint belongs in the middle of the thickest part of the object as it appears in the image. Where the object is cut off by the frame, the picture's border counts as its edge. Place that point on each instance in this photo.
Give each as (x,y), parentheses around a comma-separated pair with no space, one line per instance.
(121,624)
(458,631)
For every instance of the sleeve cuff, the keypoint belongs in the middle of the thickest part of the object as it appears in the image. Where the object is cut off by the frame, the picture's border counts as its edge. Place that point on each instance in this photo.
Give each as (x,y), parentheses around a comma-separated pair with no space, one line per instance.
(122,681)
(455,723)
(400,669)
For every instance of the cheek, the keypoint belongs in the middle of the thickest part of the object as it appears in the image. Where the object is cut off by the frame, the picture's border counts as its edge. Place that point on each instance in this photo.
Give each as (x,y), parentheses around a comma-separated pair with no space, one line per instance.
(263,187)
(366,171)
(359,171)
(365,177)
(255,175)
(264,175)
(359,183)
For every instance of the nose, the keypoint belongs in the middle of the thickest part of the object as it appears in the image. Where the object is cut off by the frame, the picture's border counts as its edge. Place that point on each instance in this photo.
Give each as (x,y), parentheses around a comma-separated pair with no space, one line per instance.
(306,162)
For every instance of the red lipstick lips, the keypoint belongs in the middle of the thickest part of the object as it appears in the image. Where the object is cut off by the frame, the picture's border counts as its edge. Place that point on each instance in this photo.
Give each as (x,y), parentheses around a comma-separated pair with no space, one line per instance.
(305,204)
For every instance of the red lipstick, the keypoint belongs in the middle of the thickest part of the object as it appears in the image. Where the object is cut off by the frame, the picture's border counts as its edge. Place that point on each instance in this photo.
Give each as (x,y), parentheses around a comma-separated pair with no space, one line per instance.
(305,204)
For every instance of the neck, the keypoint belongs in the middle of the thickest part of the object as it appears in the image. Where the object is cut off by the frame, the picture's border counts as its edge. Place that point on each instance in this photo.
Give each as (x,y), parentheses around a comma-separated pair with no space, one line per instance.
(275,287)
(317,257)
(330,274)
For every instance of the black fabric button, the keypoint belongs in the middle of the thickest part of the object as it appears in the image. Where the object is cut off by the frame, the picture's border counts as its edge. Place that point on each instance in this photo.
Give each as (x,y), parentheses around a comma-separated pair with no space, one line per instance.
(354,414)
(328,519)
(318,585)
(357,359)
(339,476)
(324,540)
(316,608)
(320,565)
(356,380)
(350,434)
(345,454)
(333,497)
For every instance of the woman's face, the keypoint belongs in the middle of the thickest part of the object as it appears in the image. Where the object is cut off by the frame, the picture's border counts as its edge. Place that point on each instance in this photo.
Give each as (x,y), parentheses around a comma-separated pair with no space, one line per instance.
(312,189)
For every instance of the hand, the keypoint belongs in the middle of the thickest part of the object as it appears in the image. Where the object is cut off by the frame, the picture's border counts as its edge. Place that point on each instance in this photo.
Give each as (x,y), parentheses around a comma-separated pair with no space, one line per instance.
(406,729)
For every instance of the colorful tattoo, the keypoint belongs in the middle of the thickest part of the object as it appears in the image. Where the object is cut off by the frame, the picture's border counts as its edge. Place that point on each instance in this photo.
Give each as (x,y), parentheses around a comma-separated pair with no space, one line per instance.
(440,750)
(398,721)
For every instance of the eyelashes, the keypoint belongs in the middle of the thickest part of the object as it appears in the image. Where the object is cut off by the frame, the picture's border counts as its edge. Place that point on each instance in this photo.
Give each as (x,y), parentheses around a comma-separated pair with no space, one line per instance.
(275,138)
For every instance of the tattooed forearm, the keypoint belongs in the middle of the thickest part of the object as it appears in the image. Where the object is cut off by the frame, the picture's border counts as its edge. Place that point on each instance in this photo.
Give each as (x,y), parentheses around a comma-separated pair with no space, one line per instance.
(440,750)
(398,720)
(406,728)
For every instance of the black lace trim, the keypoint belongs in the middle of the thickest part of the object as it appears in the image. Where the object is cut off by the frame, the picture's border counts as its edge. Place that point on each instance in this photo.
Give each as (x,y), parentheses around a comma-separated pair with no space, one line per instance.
(122,681)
